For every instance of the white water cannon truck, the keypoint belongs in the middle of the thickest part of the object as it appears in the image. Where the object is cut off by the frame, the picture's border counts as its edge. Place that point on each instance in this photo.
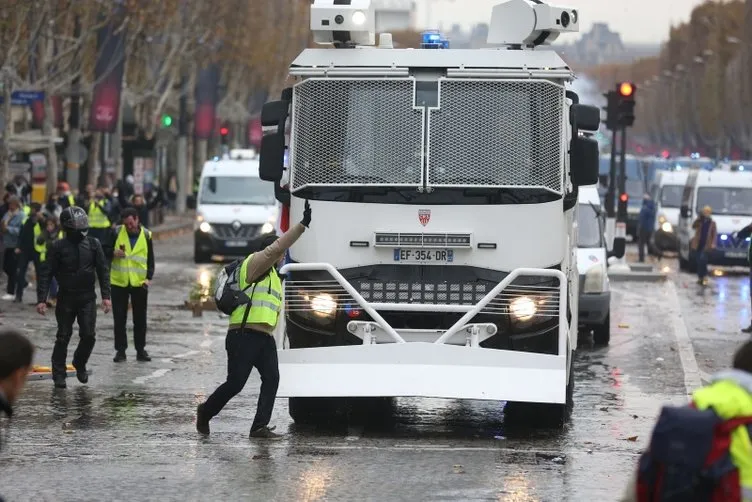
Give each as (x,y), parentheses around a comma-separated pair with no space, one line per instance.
(441,261)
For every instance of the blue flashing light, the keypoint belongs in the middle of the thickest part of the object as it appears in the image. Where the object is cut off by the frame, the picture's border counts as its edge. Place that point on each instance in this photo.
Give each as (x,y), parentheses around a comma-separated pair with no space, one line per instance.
(433,40)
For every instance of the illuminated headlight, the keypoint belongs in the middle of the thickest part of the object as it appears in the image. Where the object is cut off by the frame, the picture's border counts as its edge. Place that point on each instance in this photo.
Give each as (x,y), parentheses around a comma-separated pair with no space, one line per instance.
(667,227)
(267,228)
(594,279)
(358,18)
(523,308)
(323,304)
(205,227)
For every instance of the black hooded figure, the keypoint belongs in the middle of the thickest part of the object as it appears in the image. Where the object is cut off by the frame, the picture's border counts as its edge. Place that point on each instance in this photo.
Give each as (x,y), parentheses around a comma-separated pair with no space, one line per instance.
(76,261)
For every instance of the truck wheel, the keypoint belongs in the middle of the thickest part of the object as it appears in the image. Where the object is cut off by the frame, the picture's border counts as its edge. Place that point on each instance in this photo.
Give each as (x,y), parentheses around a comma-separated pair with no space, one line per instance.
(545,415)
(199,256)
(334,411)
(602,332)
(315,410)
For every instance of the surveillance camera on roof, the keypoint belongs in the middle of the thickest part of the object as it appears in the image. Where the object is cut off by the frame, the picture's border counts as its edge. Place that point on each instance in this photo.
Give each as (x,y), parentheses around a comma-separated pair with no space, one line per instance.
(525,22)
(343,25)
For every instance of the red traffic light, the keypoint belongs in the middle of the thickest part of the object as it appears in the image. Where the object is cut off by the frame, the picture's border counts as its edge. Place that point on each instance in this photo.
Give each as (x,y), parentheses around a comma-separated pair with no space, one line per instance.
(626,89)
(224,131)
(624,197)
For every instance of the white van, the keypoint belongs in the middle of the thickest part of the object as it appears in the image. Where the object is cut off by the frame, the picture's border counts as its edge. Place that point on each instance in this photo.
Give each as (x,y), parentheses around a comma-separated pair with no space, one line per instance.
(592,265)
(729,194)
(666,191)
(233,207)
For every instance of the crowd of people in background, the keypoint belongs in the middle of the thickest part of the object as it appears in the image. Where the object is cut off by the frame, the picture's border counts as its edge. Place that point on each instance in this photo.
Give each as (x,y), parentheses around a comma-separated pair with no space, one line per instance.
(28,228)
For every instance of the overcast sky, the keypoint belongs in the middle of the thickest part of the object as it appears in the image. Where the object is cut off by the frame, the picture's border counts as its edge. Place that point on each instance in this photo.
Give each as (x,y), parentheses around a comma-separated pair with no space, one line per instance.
(643,21)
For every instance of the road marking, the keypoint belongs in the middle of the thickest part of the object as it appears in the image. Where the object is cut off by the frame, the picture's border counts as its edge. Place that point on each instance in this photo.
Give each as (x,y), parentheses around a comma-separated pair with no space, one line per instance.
(156,374)
(692,376)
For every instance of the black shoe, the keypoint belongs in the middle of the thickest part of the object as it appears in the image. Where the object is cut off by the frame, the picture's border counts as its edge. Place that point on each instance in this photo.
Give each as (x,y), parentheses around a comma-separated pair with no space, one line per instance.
(82,374)
(120,356)
(60,383)
(748,330)
(143,356)
(264,432)
(202,423)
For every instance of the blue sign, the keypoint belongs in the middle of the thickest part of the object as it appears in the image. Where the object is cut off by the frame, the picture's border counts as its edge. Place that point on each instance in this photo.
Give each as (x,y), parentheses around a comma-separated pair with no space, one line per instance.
(24,98)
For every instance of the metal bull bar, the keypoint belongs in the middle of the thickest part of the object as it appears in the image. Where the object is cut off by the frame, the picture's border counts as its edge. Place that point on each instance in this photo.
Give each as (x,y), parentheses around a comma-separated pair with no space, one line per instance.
(497,301)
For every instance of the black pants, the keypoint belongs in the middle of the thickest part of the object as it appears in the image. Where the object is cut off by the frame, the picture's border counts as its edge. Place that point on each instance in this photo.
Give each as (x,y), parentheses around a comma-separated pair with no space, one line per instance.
(644,242)
(67,311)
(245,350)
(138,297)
(10,267)
(23,265)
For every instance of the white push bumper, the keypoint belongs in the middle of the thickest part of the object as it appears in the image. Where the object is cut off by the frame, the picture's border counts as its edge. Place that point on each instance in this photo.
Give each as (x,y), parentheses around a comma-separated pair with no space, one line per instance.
(429,363)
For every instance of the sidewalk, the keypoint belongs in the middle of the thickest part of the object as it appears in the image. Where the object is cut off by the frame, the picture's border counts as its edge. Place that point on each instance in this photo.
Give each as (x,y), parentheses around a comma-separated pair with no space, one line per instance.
(174,225)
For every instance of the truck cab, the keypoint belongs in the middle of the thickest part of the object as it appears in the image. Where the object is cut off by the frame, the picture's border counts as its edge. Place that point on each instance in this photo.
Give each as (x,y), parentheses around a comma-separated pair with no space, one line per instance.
(234,207)
(441,261)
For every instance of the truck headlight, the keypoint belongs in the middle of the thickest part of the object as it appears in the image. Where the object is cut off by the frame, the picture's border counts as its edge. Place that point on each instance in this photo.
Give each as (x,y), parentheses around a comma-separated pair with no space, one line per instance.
(667,227)
(267,228)
(594,279)
(323,304)
(359,18)
(205,227)
(523,308)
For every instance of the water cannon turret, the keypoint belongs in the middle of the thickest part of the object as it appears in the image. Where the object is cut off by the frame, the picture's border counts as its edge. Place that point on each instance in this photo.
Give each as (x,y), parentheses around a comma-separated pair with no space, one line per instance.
(526,23)
(343,26)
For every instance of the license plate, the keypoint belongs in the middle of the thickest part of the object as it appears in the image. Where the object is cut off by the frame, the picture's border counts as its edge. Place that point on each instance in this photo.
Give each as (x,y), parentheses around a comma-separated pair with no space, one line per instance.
(424,255)
(236,244)
(736,255)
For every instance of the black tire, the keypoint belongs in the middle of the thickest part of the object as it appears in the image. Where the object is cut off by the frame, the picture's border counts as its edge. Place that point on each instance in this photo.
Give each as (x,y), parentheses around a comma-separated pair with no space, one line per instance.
(333,411)
(683,264)
(545,415)
(602,332)
(200,257)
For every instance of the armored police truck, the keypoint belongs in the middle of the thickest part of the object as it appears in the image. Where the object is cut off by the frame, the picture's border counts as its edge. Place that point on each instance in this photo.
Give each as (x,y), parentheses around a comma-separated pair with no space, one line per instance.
(441,261)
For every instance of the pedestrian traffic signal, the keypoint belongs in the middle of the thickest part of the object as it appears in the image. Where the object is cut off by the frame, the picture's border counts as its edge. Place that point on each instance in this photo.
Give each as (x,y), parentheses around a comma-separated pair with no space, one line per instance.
(224,132)
(166,120)
(626,105)
(624,198)
(612,119)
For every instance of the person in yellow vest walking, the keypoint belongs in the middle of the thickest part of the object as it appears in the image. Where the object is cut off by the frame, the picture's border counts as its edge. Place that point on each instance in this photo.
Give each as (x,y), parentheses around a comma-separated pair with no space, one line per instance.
(98,210)
(26,248)
(42,244)
(132,253)
(250,342)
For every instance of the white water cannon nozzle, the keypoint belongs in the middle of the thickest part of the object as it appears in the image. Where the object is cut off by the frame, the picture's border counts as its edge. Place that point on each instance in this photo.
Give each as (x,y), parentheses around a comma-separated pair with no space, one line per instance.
(526,23)
(343,25)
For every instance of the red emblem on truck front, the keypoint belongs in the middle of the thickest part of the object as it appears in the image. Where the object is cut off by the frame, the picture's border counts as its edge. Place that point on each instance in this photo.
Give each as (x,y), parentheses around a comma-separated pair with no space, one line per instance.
(424,216)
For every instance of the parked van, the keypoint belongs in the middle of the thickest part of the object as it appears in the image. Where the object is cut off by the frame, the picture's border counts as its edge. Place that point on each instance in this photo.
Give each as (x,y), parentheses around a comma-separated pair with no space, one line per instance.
(729,194)
(666,192)
(592,265)
(233,207)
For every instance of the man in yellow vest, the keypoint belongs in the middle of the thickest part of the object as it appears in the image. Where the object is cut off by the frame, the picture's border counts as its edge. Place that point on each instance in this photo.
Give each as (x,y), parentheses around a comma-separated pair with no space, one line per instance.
(98,210)
(250,342)
(730,395)
(27,250)
(132,253)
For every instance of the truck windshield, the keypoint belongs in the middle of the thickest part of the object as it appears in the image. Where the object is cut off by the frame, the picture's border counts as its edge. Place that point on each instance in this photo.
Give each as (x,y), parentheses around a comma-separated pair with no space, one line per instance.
(671,195)
(236,190)
(726,200)
(589,228)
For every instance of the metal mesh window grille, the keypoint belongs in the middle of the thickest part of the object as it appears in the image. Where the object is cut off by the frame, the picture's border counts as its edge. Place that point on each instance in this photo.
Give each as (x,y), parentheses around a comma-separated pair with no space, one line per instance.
(356,132)
(497,133)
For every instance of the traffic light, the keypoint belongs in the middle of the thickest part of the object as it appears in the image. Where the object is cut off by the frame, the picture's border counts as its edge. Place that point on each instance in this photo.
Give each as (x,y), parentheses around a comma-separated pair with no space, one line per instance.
(224,133)
(166,120)
(611,110)
(622,209)
(626,92)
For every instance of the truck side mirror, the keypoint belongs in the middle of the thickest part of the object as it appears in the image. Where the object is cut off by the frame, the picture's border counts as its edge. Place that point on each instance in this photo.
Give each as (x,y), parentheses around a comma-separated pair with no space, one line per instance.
(272,157)
(586,117)
(274,112)
(686,212)
(619,248)
(584,161)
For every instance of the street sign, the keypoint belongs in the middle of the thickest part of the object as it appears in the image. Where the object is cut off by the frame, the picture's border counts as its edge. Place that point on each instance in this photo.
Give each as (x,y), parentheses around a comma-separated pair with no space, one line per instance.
(24,98)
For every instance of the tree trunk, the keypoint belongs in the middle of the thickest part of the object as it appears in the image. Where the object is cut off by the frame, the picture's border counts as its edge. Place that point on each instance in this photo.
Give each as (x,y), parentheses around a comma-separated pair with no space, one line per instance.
(91,165)
(7,129)
(48,131)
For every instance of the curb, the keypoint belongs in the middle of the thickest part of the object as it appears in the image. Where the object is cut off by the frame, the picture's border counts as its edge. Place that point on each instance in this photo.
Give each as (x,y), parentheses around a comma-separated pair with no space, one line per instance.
(173,231)
(637,277)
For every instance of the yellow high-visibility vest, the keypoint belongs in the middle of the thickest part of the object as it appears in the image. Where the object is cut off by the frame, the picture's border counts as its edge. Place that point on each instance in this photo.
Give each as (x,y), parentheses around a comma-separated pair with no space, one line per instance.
(27,212)
(97,217)
(266,298)
(42,248)
(731,398)
(131,270)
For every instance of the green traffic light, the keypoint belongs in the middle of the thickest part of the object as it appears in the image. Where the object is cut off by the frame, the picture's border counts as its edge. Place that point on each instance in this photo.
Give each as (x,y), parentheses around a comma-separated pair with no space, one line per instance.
(166,120)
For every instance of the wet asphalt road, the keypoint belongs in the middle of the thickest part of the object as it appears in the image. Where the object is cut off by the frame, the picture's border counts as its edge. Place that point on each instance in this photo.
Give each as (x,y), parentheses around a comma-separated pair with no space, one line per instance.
(129,434)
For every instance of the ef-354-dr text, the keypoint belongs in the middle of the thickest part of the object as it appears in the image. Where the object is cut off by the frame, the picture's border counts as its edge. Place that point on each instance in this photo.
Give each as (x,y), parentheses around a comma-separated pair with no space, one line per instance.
(424,255)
